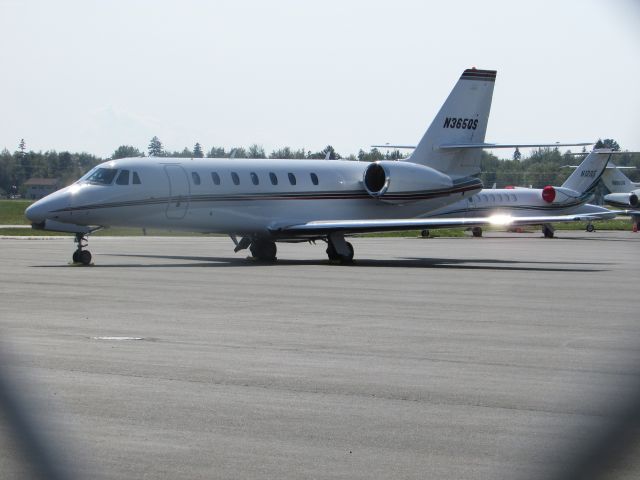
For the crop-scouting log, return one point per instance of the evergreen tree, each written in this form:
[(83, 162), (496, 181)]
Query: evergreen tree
[(155, 147), (126, 151), (516, 154), (216, 152), (22, 146), (608, 143), (197, 151), (256, 151)]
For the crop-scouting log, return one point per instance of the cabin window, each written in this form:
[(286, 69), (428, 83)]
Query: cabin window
[(102, 176), (235, 178), (215, 177), (292, 179), (136, 179), (273, 178), (254, 178), (314, 178), (196, 178), (123, 177)]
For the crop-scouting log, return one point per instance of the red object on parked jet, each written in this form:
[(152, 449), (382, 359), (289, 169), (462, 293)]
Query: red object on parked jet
[(548, 194)]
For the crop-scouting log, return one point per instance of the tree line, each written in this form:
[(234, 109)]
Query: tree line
[(545, 166)]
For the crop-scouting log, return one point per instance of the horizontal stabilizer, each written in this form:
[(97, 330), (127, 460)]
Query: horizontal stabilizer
[(451, 146), (511, 145)]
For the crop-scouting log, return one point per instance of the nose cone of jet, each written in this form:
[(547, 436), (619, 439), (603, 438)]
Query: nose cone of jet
[(37, 212), (47, 206)]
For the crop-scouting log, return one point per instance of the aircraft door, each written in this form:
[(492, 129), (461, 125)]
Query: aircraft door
[(179, 191)]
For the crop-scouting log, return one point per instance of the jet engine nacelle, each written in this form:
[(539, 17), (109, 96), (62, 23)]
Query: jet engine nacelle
[(558, 195), (629, 199), (402, 182)]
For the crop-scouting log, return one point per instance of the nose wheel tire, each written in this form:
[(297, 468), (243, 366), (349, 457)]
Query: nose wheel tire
[(590, 228), (80, 255)]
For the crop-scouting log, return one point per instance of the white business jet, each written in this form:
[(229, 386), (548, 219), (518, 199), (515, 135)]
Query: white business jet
[(570, 198), (624, 192), (268, 201)]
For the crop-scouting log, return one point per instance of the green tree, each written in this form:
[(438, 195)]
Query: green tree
[(197, 151), (516, 154), (608, 143), (126, 151), (155, 147), (22, 146), (333, 155), (256, 151), (238, 152), (216, 152), (372, 155)]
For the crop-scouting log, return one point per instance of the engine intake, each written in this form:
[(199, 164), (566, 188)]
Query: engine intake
[(403, 182), (549, 194), (633, 200)]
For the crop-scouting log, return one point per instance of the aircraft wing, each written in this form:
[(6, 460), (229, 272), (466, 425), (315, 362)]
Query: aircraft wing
[(324, 227)]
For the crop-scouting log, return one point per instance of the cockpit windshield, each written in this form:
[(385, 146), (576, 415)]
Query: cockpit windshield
[(102, 176)]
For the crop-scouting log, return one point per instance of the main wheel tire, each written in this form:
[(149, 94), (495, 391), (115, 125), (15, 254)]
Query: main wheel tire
[(76, 256), (591, 228), (424, 233), (332, 254), (548, 233), (476, 232), (347, 258), (264, 250), (85, 257)]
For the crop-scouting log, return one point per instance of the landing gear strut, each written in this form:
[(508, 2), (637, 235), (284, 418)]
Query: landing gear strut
[(476, 232), (547, 230), (339, 250), (264, 250), (80, 255)]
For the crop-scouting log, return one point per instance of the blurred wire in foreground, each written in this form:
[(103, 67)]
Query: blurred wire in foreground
[(37, 451)]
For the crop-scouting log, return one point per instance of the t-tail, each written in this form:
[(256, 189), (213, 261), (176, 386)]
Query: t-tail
[(585, 178), (462, 120), (616, 181)]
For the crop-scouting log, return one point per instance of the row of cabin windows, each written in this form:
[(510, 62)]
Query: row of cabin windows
[(483, 197), (235, 178)]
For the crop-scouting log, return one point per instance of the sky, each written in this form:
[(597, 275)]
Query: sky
[(92, 75)]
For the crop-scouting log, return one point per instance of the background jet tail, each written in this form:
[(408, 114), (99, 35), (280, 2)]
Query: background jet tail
[(616, 181), (585, 178), (461, 120)]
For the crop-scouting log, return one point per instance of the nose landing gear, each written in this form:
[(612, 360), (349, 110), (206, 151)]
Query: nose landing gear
[(80, 255)]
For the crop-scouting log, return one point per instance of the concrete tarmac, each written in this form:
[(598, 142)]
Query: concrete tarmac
[(453, 358)]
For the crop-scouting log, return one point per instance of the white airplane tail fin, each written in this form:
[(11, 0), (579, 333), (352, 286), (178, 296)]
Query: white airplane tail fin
[(616, 181), (461, 120), (585, 178)]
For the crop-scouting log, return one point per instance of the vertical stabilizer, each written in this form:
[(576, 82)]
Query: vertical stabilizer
[(616, 181), (461, 120), (585, 178)]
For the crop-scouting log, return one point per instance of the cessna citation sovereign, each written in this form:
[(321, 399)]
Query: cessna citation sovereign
[(268, 201), (570, 198), (624, 192)]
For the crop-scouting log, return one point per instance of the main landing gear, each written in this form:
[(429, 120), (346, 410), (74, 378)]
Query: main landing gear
[(80, 255), (476, 232), (590, 227), (547, 231), (339, 250), (263, 250)]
